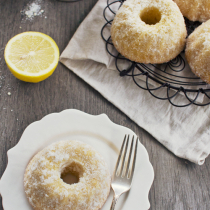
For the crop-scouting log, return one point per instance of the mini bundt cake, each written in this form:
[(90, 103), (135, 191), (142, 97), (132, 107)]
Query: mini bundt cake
[(149, 31), (195, 10), (46, 190), (197, 51)]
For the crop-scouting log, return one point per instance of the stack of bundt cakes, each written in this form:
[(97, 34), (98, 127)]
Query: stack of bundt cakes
[(154, 31)]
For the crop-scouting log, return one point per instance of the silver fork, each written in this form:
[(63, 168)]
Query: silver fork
[(122, 178)]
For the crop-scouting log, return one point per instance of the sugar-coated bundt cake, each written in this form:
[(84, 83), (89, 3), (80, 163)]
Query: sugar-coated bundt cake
[(46, 190), (197, 51), (195, 10), (149, 31)]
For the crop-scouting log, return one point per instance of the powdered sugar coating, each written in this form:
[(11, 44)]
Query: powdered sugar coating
[(195, 10), (46, 190), (145, 43), (197, 51)]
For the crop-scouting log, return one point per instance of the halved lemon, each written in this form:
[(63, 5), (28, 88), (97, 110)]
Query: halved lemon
[(31, 56)]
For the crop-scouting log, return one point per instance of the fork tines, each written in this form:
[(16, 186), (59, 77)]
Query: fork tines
[(124, 159)]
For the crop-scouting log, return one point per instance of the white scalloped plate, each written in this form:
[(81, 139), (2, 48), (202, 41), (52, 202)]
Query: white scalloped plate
[(99, 132)]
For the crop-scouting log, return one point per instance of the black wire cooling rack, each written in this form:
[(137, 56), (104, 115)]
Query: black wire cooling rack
[(166, 81)]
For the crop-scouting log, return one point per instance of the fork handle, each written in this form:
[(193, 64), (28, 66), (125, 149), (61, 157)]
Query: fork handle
[(114, 201)]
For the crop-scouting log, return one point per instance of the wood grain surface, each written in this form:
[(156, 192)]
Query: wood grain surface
[(178, 184)]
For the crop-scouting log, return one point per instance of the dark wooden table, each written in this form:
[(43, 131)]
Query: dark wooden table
[(178, 184)]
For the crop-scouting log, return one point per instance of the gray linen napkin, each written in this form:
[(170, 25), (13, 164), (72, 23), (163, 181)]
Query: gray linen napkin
[(184, 131)]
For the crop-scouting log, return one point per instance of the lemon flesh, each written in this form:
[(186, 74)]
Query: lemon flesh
[(31, 56)]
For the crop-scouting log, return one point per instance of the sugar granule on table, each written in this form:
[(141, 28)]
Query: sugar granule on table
[(32, 10)]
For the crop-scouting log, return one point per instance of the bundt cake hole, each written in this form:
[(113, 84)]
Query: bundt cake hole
[(151, 15), (71, 174)]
